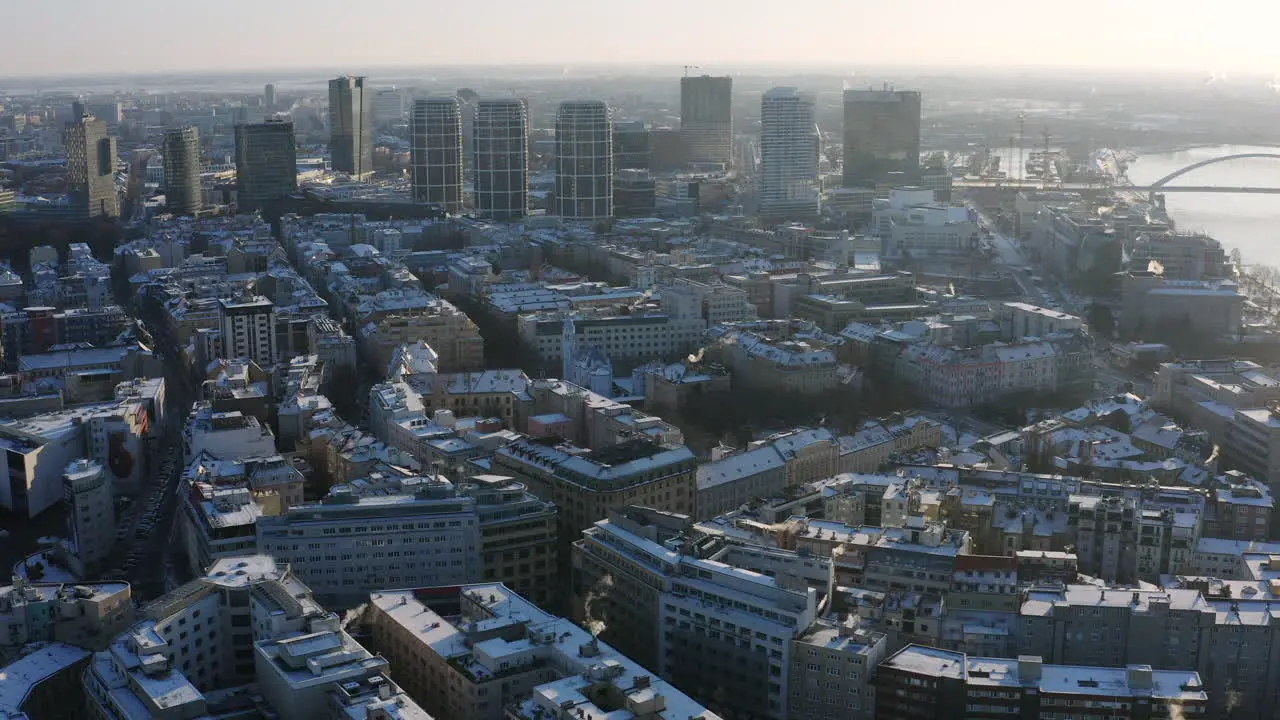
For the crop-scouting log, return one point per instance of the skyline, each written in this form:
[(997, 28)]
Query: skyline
[(1136, 35)]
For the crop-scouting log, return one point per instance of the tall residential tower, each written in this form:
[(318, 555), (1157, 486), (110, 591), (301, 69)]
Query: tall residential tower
[(500, 138), (266, 162), (584, 160), (91, 159), (351, 125), (881, 137), (706, 119), (436, 152), (788, 155), (181, 150)]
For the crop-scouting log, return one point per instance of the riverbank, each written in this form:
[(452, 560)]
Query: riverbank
[(1247, 222)]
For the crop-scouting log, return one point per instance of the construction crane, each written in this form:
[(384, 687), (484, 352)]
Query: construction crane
[(1022, 135), (687, 68)]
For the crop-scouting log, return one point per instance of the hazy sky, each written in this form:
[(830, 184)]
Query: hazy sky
[(91, 36)]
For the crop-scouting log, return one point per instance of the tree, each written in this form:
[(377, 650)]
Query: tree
[(1119, 421), (1101, 320), (343, 389)]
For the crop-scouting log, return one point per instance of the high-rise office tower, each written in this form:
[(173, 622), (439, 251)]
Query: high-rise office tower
[(584, 160), (91, 161), (269, 98), (500, 143), (630, 145), (110, 112), (881, 137), (788, 154), (181, 150), (266, 162), (706, 119), (388, 107), (351, 125), (436, 152)]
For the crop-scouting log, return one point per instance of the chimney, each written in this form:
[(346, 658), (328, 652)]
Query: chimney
[(1139, 677), (1029, 668)]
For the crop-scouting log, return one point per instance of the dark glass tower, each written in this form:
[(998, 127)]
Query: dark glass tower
[(500, 144), (881, 137), (706, 119), (351, 125), (181, 151), (584, 160), (91, 158), (266, 162), (436, 152)]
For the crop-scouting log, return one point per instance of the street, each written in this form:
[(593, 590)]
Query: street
[(147, 538)]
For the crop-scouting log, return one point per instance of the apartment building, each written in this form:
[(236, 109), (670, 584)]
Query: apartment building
[(352, 541), (832, 668), (625, 338), (225, 435), (589, 419), (245, 638), (248, 328), (482, 652), (85, 615), (780, 356), (216, 523), (505, 534), (876, 441), (393, 318), (671, 387), (1022, 320), (1216, 628), (707, 303), (1253, 443), (1180, 256), (519, 536), (1240, 508), (1154, 308), (44, 679), (724, 632), (39, 448), (91, 519), (925, 682), (586, 485), (1205, 393), (765, 469)]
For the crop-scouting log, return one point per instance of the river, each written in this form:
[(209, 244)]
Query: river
[(1248, 222)]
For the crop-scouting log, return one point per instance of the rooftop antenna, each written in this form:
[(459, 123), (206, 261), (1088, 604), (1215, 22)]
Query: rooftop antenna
[(687, 68)]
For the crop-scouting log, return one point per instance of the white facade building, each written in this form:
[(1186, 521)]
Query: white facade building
[(39, 448), (788, 154), (419, 534), (245, 635), (91, 517), (226, 435), (1022, 320), (910, 221)]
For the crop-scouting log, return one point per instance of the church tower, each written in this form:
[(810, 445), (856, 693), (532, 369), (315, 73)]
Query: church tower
[(569, 348)]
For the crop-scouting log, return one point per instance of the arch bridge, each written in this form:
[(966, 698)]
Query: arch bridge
[(1158, 185)]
